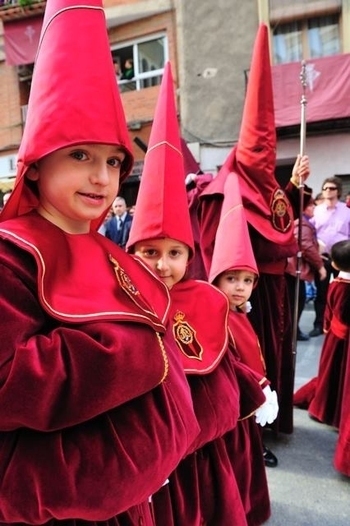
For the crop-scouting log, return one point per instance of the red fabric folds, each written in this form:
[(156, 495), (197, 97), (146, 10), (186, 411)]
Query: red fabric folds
[(21, 39), (327, 90)]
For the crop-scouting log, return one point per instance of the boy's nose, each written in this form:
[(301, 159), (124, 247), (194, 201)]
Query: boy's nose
[(162, 263), (101, 174)]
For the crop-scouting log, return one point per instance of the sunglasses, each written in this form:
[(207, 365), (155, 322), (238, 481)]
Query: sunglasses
[(330, 188)]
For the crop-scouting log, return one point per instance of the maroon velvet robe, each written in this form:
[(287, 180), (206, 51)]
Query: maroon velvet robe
[(244, 443), (203, 489), (95, 410), (342, 451), (326, 404)]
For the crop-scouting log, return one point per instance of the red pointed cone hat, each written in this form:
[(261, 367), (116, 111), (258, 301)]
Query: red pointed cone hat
[(74, 97), (161, 208), (253, 159), (266, 205), (190, 163), (232, 249)]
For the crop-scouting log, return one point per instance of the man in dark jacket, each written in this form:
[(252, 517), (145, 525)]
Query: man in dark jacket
[(118, 227)]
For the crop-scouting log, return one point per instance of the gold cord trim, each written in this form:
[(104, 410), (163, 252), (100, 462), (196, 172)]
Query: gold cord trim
[(165, 357)]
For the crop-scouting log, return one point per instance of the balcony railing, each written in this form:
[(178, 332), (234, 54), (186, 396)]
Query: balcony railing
[(15, 9)]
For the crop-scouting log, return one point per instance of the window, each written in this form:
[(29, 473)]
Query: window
[(309, 38), (140, 64)]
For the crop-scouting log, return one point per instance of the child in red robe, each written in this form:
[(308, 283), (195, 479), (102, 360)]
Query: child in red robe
[(203, 488), (234, 272), (323, 395), (95, 409), (340, 298)]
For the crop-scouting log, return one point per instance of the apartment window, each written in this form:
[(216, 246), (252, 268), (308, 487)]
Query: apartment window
[(309, 38), (147, 58)]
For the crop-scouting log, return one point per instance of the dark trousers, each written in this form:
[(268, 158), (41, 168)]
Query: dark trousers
[(321, 293), (291, 283)]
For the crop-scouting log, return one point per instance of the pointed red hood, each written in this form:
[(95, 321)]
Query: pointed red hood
[(74, 96), (161, 207), (190, 163), (253, 158), (266, 205), (232, 249)]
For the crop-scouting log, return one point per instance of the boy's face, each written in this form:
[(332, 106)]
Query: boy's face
[(77, 184), (166, 257), (237, 285)]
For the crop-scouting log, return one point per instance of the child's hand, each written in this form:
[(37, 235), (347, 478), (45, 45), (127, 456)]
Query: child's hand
[(267, 413)]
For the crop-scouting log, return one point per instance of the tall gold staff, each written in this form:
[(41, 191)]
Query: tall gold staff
[(303, 103)]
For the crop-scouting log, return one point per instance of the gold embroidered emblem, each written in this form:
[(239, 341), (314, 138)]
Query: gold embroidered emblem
[(185, 337), (127, 285), (281, 219)]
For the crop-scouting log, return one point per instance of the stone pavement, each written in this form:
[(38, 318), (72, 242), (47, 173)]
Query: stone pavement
[(305, 489)]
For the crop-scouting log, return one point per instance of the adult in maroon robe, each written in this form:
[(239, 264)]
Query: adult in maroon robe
[(270, 217)]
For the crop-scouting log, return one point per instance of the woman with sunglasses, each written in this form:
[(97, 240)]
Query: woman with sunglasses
[(332, 222)]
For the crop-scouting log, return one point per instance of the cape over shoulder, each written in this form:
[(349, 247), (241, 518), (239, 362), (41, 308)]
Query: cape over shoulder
[(199, 318), (70, 265)]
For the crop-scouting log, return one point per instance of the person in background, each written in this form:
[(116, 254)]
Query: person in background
[(347, 199), (117, 228), (311, 261), (117, 69), (131, 210), (102, 228), (332, 223), (6, 197), (88, 429), (128, 71), (319, 198)]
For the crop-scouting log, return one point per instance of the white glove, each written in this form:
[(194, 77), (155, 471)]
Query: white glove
[(267, 413), (190, 178)]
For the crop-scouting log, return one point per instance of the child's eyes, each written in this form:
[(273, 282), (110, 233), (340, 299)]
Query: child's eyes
[(115, 162), (79, 155)]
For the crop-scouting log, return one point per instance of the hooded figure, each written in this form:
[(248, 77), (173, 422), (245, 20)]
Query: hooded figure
[(95, 410), (270, 218)]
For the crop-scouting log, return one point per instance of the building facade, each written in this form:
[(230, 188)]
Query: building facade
[(209, 45)]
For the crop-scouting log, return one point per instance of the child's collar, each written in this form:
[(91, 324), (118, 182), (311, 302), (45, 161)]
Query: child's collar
[(344, 275)]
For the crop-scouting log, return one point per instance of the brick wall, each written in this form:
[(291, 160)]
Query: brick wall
[(10, 111)]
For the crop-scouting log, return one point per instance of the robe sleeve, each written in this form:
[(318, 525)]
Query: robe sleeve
[(53, 376)]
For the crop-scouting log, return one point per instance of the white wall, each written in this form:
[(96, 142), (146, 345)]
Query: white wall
[(329, 156)]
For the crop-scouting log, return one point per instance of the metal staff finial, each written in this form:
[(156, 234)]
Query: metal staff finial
[(303, 103)]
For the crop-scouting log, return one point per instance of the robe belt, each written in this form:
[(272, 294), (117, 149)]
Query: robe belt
[(339, 329)]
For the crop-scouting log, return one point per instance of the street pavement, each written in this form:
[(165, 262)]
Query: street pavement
[(305, 489)]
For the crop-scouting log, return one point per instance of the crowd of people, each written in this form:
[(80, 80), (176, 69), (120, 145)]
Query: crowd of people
[(142, 397)]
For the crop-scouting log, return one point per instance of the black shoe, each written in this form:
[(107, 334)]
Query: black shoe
[(302, 337), (269, 458), (316, 331)]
